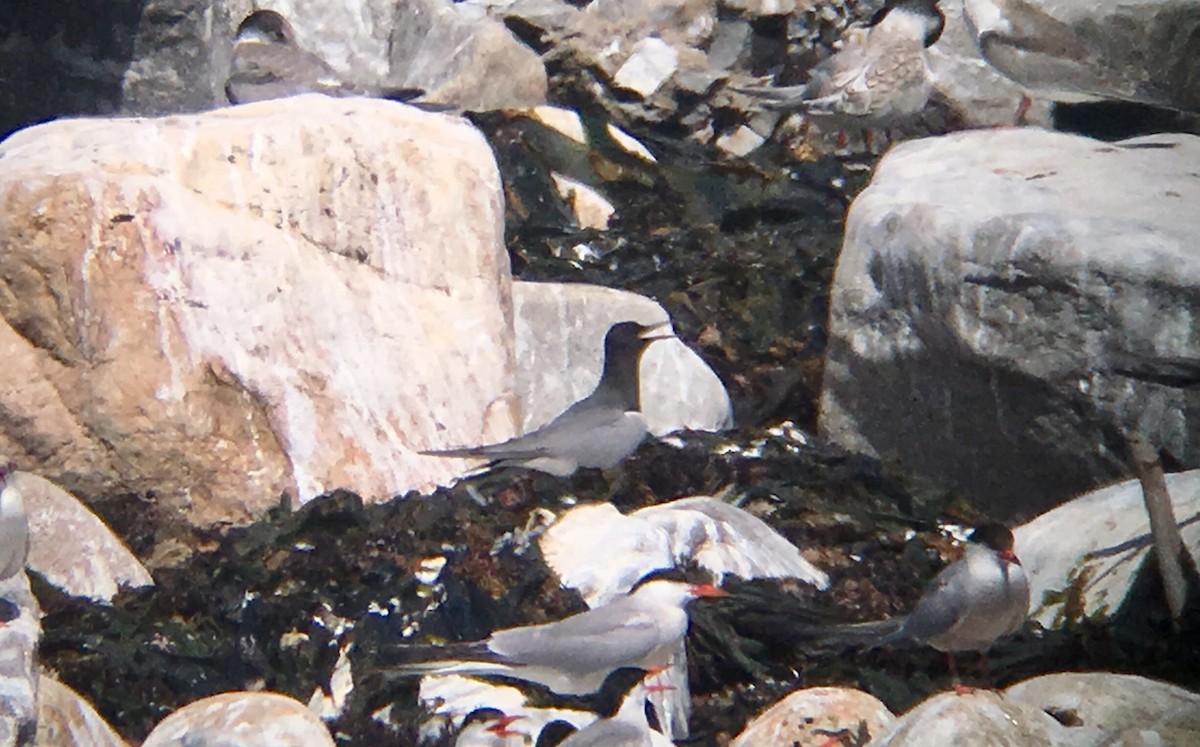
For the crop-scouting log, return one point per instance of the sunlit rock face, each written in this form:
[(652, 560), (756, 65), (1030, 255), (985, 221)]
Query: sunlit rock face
[(1008, 303), (229, 306)]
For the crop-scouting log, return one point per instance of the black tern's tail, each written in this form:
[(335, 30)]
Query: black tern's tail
[(866, 634), (417, 658)]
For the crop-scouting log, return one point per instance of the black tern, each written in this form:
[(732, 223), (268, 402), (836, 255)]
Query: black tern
[(879, 78), (269, 64), (599, 430), (575, 655), (14, 526)]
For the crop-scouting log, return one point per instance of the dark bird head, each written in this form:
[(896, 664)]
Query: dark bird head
[(554, 733), (623, 347), (925, 12), (267, 26), (607, 700), (494, 716), (998, 538)]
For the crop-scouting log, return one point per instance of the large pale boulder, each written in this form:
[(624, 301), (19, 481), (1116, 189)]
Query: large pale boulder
[(1081, 558), (1008, 302), (73, 548), (256, 300), (245, 719)]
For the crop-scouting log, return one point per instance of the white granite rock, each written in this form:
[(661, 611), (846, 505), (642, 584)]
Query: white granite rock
[(1007, 300), (255, 300), (981, 718), (812, 716), (601, 553), (1115, 709), (1095, 544), (72, 547), (241, 719)]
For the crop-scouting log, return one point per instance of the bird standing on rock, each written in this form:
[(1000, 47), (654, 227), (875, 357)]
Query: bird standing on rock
[(974, 601), (575, 655), (268, 64), (14, 526), (879, 78), (599, 430)]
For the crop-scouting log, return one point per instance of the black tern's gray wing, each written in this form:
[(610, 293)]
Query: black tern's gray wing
[(595, 437), (943, 605)]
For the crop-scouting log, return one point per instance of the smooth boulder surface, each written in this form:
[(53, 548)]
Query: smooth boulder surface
[(65, 719), (470, 61), (230, 306), (73, 548), (1094, 545), (981, 718), (1110, 708), (247, 719), (1007, 302), (811, 716)]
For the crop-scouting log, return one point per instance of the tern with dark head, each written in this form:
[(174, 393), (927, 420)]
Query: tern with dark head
[(268, 64), (879, 78), (575, 655), (972, 602), (598, 431)]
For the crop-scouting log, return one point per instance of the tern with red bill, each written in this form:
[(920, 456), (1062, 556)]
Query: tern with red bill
[(572, 656), (974, 601), (599, 430)]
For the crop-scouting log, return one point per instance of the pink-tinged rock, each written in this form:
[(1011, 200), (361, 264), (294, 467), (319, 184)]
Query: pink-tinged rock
[(65, 719), (243, 719), (286, 296), (815, 716), (72, 547)]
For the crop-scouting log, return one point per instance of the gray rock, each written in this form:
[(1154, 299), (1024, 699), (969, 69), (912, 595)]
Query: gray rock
[(65, 719), (808, 718), (472, 63), (652, 62), (18, 663), (1095, 544), (72, 547), (1116, 709), (1008, 301), (559, 335), (981, 719), (1073, 50), (241, 719)]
